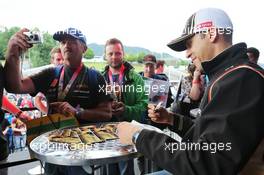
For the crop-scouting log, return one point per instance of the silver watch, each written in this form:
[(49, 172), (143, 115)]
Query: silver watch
[(135, 136)]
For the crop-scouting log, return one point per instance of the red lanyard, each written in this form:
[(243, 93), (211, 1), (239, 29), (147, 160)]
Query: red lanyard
[(121, 75), (63, 92), (116, 88)]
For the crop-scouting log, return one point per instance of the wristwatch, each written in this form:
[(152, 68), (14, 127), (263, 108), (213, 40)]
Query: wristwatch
[(135, 136), (78, 112), (18, 114)]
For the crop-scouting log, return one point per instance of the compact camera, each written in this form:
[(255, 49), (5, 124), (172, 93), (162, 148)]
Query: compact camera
[(33, 37)]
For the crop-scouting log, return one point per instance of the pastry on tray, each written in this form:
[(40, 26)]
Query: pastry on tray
[(85, 128), (56, 134), (89, 137), (86, 134), (66, 132), (111, 127), (64, 136), (68, 140), (105, 134), (74, 134)]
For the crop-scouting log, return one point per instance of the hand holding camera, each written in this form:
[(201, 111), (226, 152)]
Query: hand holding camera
[(33, 37), (21, 41)]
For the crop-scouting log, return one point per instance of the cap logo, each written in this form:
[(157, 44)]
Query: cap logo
[(204, 25), (72, 31), (75, 32)]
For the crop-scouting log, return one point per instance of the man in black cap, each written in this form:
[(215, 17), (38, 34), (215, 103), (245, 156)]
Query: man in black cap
[(71, 89), (149, 62), (230, 127), (72, 82)]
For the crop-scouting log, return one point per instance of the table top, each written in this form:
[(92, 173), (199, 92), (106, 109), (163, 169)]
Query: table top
[(109, 151)]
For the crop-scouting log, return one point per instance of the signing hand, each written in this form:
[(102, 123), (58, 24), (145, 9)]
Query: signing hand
[(125, 131), (160, 115), (63, 108)]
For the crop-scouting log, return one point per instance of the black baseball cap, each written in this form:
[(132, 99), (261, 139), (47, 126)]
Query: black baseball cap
[(149, 59)]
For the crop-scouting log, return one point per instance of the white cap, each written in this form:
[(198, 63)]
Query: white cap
[(201, 21)]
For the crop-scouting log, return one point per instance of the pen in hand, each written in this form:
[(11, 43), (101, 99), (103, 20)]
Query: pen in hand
[(158, 106)]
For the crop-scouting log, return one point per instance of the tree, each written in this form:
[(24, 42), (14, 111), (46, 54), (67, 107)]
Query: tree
[(135, 57), (4, 38), (39, 55), (130, 57), (140, 57), (89, 54)]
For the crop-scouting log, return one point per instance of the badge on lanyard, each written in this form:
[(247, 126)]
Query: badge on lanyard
[(116, 85)]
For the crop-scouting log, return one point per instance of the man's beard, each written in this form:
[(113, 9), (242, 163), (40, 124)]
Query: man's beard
[(116, 66)]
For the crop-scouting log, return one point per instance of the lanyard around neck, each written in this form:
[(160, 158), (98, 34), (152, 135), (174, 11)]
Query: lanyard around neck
[(120, 77), (63, 92)]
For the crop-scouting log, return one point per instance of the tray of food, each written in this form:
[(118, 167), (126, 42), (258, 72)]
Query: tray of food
[(85, 145), (84, 135)]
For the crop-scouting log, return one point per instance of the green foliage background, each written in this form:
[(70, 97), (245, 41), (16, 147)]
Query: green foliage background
[(39, 54)]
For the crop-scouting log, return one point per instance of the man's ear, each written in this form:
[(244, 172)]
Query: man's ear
[(124, 55), (213, 35), (84, 48)]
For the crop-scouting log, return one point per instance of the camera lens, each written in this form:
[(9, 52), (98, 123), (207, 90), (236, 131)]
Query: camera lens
[(36, 38)]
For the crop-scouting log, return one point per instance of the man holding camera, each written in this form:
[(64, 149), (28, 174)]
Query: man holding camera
[(73, 89), (65, 89)]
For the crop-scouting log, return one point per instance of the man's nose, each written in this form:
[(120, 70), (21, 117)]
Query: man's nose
[(67, 44), (188, 53), (147, 69)]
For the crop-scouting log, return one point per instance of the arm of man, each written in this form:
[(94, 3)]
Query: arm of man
[(228, 131), (15, 83), (195, 92), (176, 122), (10, 107), (39, 103), (102, 112)]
